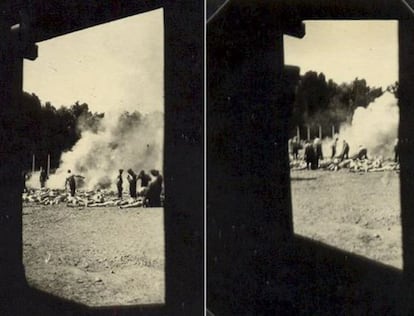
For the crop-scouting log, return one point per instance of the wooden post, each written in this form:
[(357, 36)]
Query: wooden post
[(333, 131), (320, 131), (48, 164), (308, 130), (33, 163), (298, 132)]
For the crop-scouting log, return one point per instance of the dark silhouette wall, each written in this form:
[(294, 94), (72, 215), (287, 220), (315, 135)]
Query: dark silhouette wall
[(249, 207)]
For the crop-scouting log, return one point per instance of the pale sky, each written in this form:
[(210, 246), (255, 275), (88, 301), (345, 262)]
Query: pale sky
[(344, 50), (118, 65)]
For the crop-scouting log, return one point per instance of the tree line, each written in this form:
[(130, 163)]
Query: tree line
[(326, 103), (50, 130), (46, 129)]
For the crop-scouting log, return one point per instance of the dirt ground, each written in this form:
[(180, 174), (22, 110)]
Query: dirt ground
[(95, 256), (355, 212)]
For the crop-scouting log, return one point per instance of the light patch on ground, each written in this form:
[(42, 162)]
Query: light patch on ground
[(355, 212), (95, 256)]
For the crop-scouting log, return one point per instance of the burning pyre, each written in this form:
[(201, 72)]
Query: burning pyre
[(129, 140), (374, 128)]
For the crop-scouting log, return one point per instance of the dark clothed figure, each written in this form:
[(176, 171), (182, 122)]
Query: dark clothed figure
[(319, 153), (317, 147), (43, 178), (119, 182), (153, 195), (132, 179), (309, 155), (345, 151), (396, 151), (145, 179), (295, 148), (316, 154), (70, 180), (333, 146), (362, 153)]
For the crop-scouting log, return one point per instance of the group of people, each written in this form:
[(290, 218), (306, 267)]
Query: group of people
[(43, 177), (313, 151), (344, 154), (151, 185)]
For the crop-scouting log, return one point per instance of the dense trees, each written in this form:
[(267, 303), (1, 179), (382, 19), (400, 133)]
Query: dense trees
[(326, 103), (44, 129)]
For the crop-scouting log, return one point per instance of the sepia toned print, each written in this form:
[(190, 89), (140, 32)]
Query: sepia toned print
[(98, 130), (309, 163), (344, 154), (92, 203)]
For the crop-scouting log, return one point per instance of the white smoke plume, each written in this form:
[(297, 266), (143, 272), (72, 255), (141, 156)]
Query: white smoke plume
[(374, 127), (33, 182), (128, 141)]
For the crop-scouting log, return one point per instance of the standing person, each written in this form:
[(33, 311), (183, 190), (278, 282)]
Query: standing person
[(396, 151), (318, 150), (42, 177), (309, 155), (153, 195), (345, 151), (145, 179), (295, 148), (132, 179), (333, 147), (119, 182), (315, 161), (70, 180)]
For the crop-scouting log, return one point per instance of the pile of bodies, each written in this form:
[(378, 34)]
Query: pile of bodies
[(150, 194), (100, 198), (359, 162), (353, 165)]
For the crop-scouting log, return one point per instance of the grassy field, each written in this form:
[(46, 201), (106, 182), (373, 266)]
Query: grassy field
[(356, 212), (95, 256)]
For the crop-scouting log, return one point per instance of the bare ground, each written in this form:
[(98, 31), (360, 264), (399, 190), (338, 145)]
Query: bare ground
[(95, 256), (356, 212)]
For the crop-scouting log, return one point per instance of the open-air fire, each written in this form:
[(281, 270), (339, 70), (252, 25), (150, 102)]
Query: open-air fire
[(370, 138)]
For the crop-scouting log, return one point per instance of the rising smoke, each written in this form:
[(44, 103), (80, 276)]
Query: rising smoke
[(375, 127), (131, 141)]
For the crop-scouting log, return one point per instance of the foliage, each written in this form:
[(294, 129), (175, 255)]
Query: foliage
[(326, 103), (48, 130)]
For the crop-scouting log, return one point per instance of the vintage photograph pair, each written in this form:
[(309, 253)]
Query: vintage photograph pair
[(223, 157)]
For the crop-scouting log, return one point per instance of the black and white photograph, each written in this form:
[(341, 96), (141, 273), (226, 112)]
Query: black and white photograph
[(309, 157), (344, 155), (101, 133), (206, 157), (93, 196)]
